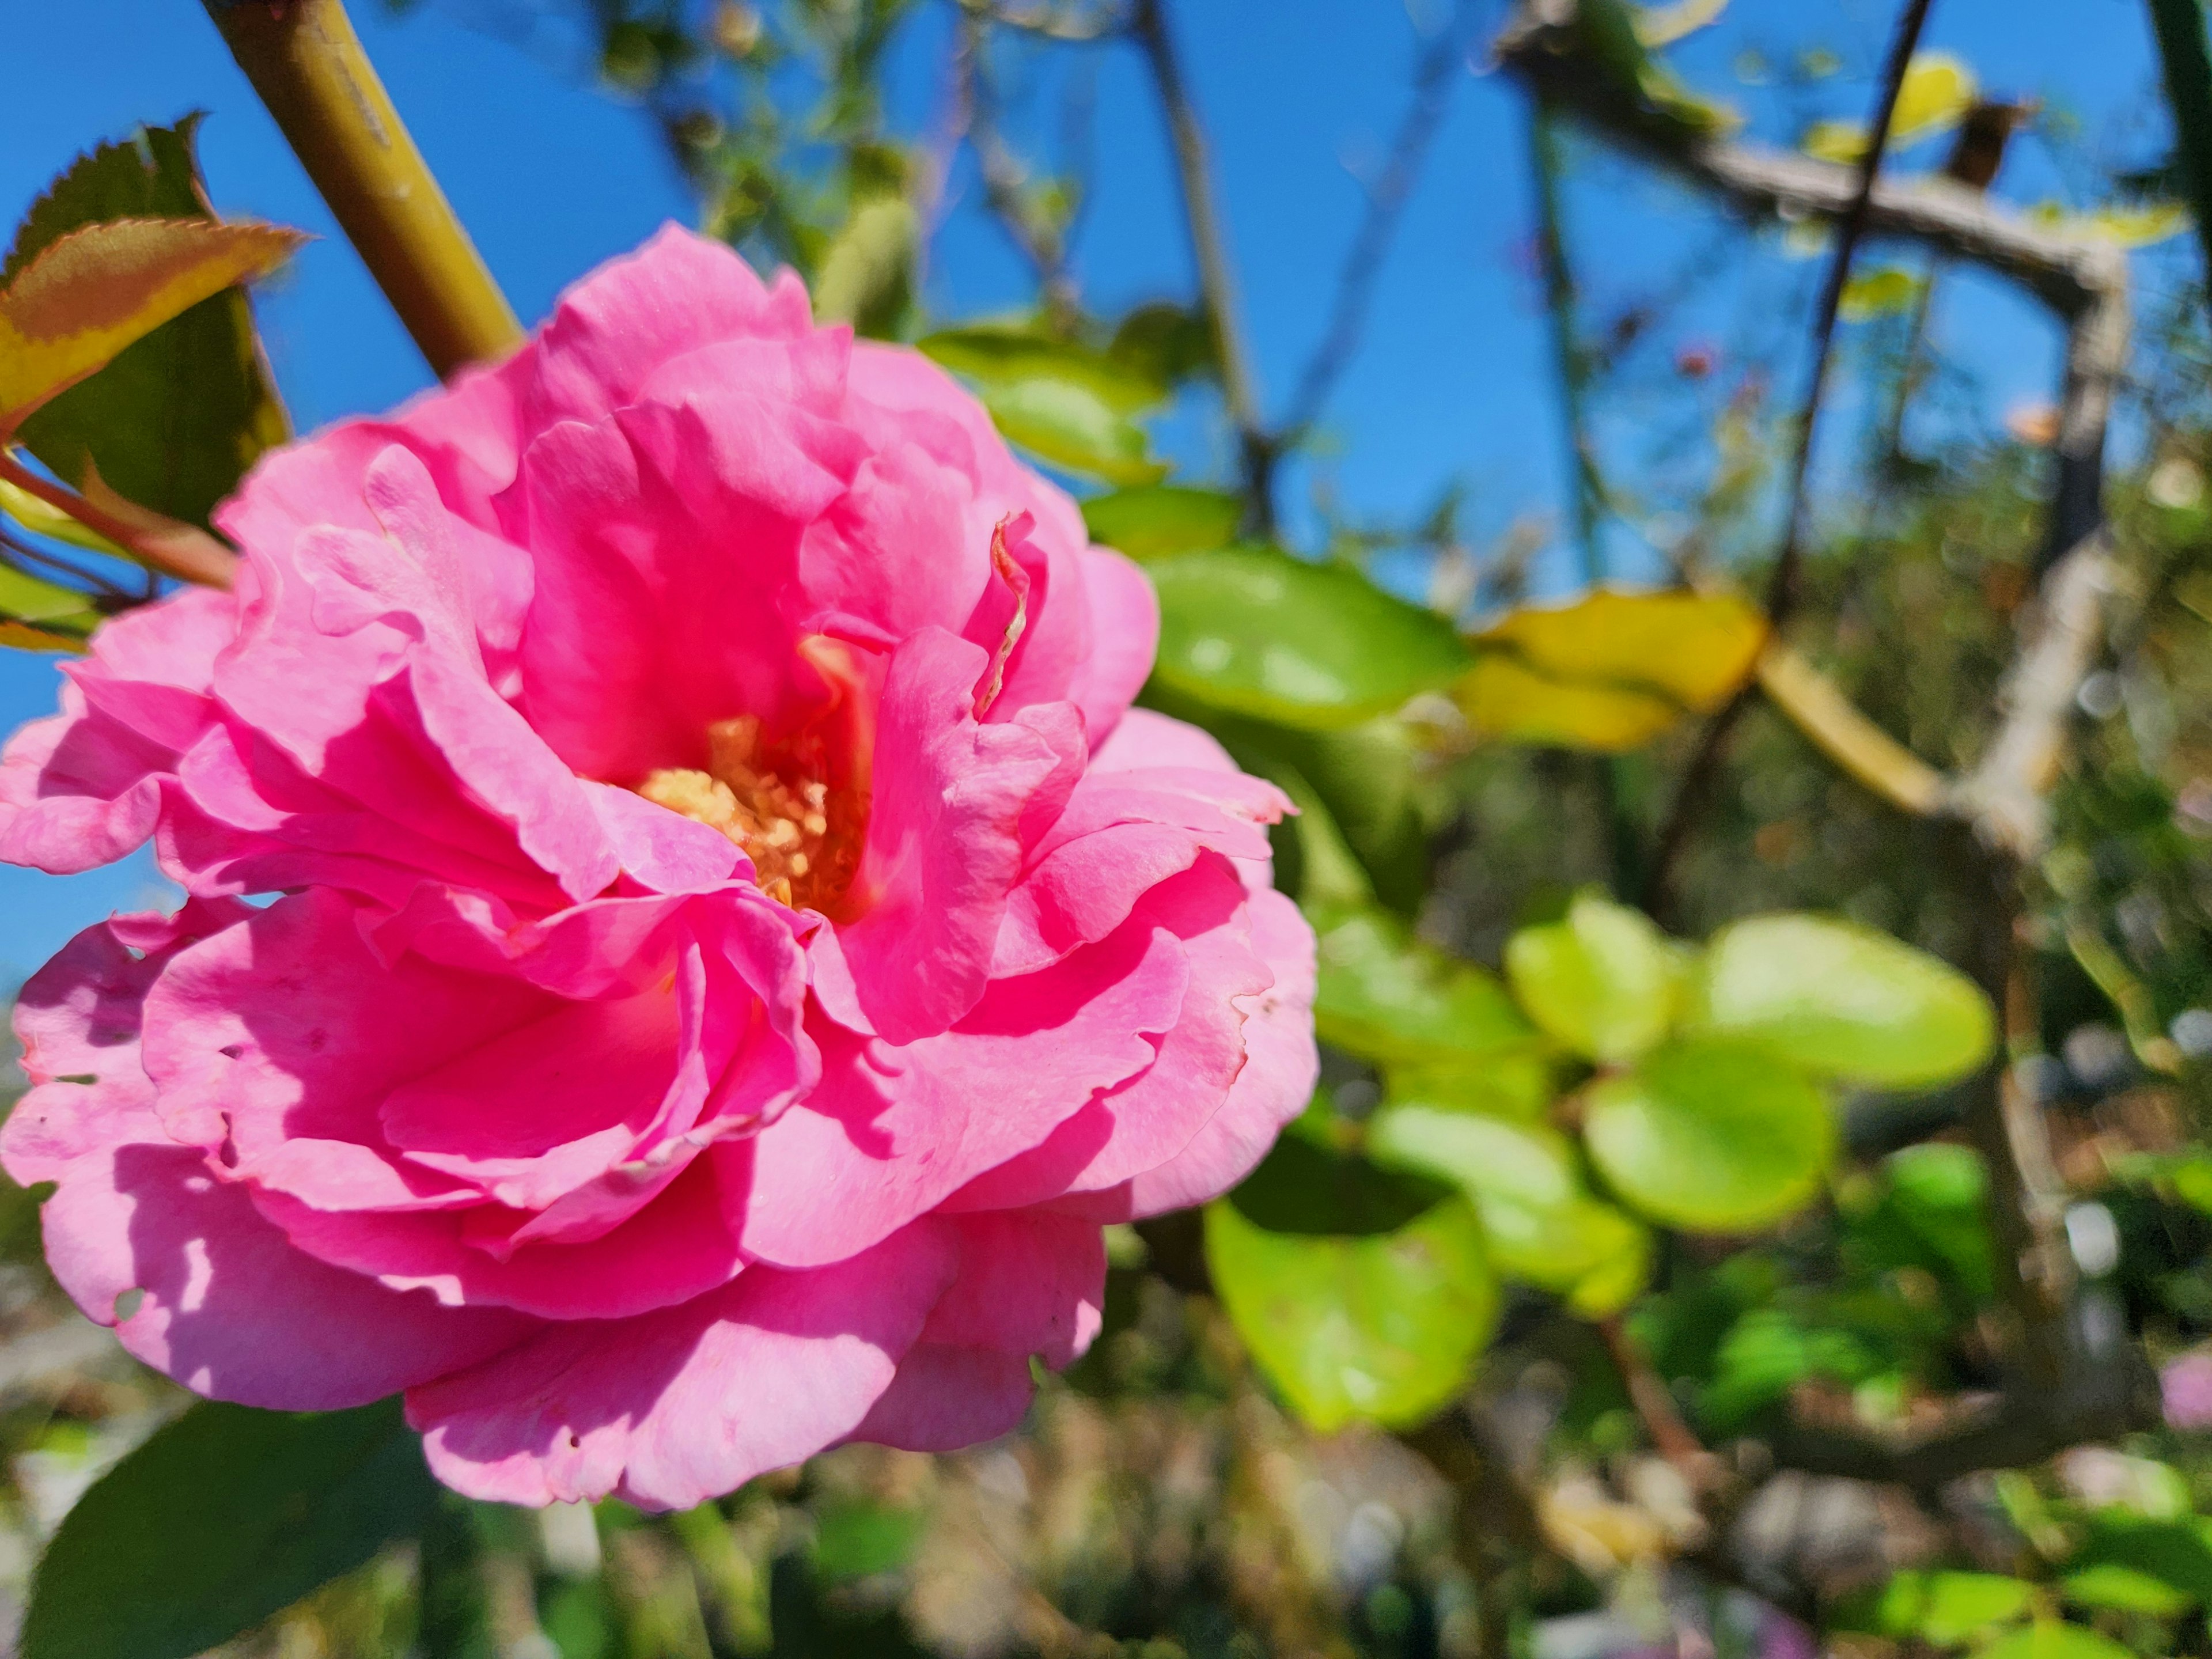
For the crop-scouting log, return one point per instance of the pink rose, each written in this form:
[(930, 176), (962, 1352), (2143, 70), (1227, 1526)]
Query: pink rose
[(737, 944)]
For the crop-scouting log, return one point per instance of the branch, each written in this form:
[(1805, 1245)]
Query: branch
[(1768, 184), (1782, 587), (168, 545), (1854, 743), (1210, 249), (306, 62), (1433, 80), (1068, 24), (1041, 242)]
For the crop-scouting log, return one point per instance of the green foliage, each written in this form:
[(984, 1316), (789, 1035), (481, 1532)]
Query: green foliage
[(1063, 402), (1387, 997), (1602, 982), (1841, 1001), (1712, 1136), (221, 1518), (175, 419), (1152, 521), (1250, 630), (1364, 1295)]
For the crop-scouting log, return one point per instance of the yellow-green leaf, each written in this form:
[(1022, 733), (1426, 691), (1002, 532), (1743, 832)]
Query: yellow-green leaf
[(96, 290), (1883, 291), (1155, 520), (865, 277), (1505, 701), (1611, 670), (1663, 25), (1542, 1226), (2140, 225), (40, 520), (1709, 1136), (1602, 981), (1365, 1295), (1841, 1000), (1937, 92), (1251, 630), (1386, 996)]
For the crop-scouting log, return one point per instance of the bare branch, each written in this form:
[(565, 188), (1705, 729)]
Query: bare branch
[(1210, 249), (1848, 737), (161, 544), (1433, 80), (1768, 184), (1043, 241), (1782, 587), (1074, 25)]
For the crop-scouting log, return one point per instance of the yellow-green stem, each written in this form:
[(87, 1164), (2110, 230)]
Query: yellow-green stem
[(305, 61)]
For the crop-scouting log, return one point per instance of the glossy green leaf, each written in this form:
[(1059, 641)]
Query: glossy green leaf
[(1841, 1000), (1388, 997), (1002, 356), (1364, 1295), (2048, 1640), (174, 420), (1602, 982), (1950, 1608), (1251, 630), (1711, 1136), (1541, 1224), (225, 1516), (56, 609), (1155, 520), (1165, 342), (2110, 1587), (1067, 424)]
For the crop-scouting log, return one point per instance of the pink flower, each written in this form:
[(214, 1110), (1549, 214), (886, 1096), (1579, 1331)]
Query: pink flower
[(737, 944)]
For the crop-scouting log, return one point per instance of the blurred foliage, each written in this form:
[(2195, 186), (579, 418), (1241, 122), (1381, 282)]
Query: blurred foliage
[(1589, 1185)]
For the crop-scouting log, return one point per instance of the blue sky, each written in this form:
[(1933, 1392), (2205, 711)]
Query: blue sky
[(553, 177)]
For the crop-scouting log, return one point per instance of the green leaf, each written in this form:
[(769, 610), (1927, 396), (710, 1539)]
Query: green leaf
[(1251, 630), (1610, 670), (2177, 1553), (2111, 1586), (1950, 1608), (41, 519), (173, 421), (1165, 342), (55, 609), (999, 356), (1388, 997), (866, 275), (1155, 520), (1883, 291), (1841, 1000), (1517, 1087), (1711, 1136), (2050, 1640), (223, 1517), (1937, 91), (1602, 982), (1061, 400), (1541, 1224), (1364, 1295)]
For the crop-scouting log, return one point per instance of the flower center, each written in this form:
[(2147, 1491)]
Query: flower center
[(804, 838)]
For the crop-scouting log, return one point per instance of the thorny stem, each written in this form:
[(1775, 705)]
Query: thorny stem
[(1209, 244), (306, 63), (1782, 589), (174, 548)]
